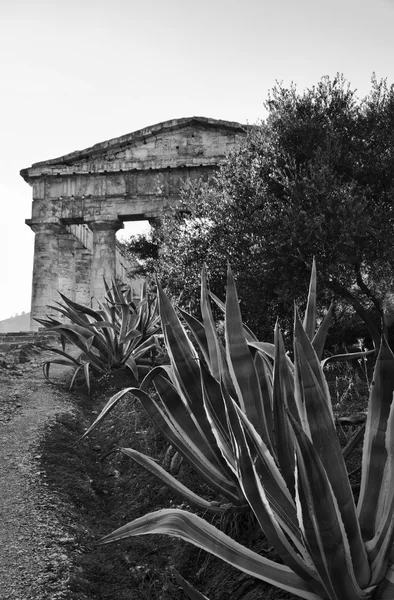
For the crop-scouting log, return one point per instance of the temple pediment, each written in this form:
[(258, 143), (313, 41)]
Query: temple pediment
[(187, 142), (81, 199)]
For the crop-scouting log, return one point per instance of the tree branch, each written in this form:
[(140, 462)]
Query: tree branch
[(365, 289), (344, 293)]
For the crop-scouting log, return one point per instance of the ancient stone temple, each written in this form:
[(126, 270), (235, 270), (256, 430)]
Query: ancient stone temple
[(82, 199)]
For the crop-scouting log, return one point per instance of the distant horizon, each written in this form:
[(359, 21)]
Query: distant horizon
[(15, 324), (22, 314)]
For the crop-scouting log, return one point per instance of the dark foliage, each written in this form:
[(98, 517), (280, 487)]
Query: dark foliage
[(316, 179)]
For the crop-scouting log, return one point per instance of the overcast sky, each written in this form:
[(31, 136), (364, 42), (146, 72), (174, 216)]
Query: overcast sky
[(77, 72)]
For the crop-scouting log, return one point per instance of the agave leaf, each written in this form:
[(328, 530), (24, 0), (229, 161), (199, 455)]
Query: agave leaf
[(283, 397), (89, 342), (48, 322), (108, 291), (185, 373), (241, 364), (103, 325), (322, 433), (380, 547), (254, 488), (114, 293), (216, 414), (81, 308), (60, 361), (191, 592), (75, 376), (174, 420), (264, 347), (304, 344), (275, 487), (145, 345), (108, 336), (149, 319), (319, 339), (249, 335), (158, 471), (184, 358), (107, 409), (144, 290), (310, 313), (374, 449), (138, 348), (132, 334), (354, 441), (346, 357), (192, 528), (47, 364), (105, 311), (75, 317), (267, 351), (180, 412), (86, 370), (217, 301), (132, 365), (198, 331), (82, 332), (92, 355), (215, 357), (125, 316), (265, 374), (385, 589), (322, 524), (67, 355), (79, 339)]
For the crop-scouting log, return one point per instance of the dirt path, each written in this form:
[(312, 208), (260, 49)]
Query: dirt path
[(34, 563)]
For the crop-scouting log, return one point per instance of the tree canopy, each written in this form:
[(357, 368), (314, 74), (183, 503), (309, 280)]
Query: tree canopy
[(316, 179)]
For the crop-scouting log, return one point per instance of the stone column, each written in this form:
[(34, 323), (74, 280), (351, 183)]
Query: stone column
[(67, 252), (82, 276), (104, 255), (45, 270)]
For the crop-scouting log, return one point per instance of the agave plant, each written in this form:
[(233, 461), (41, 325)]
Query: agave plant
[(283, 450), (188, 382), (120, 333), (183, 386)]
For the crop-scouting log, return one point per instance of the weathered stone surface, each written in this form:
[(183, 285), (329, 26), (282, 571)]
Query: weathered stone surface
[(134, 177), (104, 255), (45, 269), (83, 264), (15, 341)]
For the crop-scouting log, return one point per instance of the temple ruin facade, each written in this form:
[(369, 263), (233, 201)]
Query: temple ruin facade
[(82, 199)]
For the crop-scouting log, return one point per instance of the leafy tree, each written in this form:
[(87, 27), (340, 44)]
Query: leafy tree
[(315, 179)]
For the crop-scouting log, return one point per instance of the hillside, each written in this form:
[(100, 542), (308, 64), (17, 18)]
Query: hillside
[(17, 323)]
